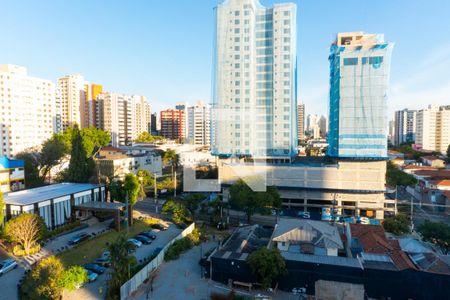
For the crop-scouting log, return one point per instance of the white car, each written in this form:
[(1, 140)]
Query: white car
[(135, 242), (7, 265), (92, 276)]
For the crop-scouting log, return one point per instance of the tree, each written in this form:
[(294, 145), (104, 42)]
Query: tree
[(31, 168), (436, 232), (397, 225), (249, 201), (267, 265), (177, 210), (93, 139), (119, 189), (448, 154), (171, 158), (121, 264), (45, 280), (53, 150), (146, 137), (395, 177), (26, 229), (131, 187), (81, 166), (73, 278)]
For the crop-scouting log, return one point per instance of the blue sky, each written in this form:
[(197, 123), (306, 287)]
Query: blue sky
[(163, 49)]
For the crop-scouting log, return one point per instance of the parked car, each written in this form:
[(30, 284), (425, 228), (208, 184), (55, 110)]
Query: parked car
[(159, 227), (94, 268), (134, 242), (92, 276), (106, 254), (148, 234), (143, 239), (79, 238), (156, 251), (7, 265), (103, 262)]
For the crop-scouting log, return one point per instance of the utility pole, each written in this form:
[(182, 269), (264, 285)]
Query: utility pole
[(395, 203), (175, 184), (156, 194), (412, 211), (126, 212)]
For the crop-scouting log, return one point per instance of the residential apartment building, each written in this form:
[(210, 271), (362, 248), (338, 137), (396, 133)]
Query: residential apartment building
[(301, 122), (142, 116), (359, 75), (154, 124), (27, 111), (183, 105), (173, 124), (311, 121), (433, 128), (405, 126), (323, 126), (124, 116), (254, 80), (199, 124)]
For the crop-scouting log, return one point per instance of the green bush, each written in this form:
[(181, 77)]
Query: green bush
[(177, 248), (62, 229)]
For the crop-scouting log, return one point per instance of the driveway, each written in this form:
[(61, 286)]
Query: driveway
[(9, 281)]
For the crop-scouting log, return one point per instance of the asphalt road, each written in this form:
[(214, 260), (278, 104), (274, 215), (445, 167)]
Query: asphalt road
[(9, 281)]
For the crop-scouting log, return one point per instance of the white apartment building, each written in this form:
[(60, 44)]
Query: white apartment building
[(76, 100), (433, 128), (27, 111), (142, 116), (73, 95), (254, 80), (124, 116), (199, 124), (405, 126)]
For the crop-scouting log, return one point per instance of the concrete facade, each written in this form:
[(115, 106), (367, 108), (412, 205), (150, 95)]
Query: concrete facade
[(357, 187)]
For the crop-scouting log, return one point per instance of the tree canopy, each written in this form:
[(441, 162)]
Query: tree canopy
[(2, 206), (397, 225), (436, 232), (45, 280), (395, 176), (92, 138), (146, 137), (26, 230), (81, 166), (130, 187), (121, 263), (73, 278), (244, 198), (177, 209), (267, 265)]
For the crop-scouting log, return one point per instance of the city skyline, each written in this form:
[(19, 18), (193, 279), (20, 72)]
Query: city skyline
[(155, 64)]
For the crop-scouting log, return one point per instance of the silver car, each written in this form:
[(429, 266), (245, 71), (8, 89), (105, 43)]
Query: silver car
[(7, 265)]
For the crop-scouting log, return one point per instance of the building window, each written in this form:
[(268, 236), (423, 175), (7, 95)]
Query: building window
[(350, 61)]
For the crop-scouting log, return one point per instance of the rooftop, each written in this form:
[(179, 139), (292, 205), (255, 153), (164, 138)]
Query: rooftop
[(319, 233), (431, 157), (36, 195), (373, 241)]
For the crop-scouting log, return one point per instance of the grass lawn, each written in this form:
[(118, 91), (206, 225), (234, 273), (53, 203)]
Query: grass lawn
[(90, 250)]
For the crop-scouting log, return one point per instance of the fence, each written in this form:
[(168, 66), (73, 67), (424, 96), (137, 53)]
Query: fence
[(133, 284)]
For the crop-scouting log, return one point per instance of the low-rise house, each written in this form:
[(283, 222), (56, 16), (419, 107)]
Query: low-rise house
[(433, 161), (307, 237), (117, 162), (369, 243), (12, 174)]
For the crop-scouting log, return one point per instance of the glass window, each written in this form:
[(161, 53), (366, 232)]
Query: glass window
[(350, 61)]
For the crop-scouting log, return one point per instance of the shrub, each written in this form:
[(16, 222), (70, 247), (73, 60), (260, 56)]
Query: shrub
[(177, 248), (19, 251), (195, 237)]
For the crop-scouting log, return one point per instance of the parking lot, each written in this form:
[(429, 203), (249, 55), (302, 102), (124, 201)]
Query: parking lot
[(97, 289)]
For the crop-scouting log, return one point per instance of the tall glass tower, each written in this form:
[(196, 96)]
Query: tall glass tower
[(359, 77), (254, 80)]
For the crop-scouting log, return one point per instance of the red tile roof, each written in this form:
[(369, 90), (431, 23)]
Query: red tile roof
[(414, 167), (373, 240), (434, 174)]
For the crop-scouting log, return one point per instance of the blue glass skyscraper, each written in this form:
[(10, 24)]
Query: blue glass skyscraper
[(359, 77)]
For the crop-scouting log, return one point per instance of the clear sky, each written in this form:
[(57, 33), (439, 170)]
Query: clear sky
[(163, 49)]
